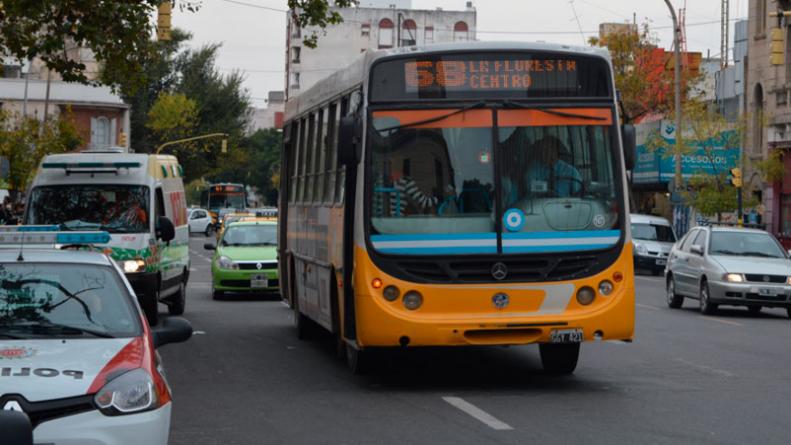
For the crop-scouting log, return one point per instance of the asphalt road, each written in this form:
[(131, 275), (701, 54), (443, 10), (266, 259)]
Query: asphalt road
[(244, 378)]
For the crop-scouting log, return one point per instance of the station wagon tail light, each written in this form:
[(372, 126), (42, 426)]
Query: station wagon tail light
[(734, 277), (131, 392)]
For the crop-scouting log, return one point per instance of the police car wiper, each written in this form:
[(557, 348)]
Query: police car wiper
[(510, 104), (433, 119), (47, 326)]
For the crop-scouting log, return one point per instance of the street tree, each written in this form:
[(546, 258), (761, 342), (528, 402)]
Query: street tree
[(24, 141), (118, 32), (172, 116)]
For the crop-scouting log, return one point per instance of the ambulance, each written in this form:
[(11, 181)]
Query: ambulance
[(139, 199)]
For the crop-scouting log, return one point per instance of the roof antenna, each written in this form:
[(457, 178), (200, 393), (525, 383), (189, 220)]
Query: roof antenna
[(21, 247)]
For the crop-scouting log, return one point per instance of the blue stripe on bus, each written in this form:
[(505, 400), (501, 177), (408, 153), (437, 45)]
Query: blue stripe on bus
[(554, 249), (439, 250), (558, 235), (435, 237)]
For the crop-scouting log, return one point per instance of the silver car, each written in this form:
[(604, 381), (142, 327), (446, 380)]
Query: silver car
[(729, 266)]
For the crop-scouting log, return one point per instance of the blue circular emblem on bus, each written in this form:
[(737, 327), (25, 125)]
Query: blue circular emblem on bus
[(500, 300), (513, 220)]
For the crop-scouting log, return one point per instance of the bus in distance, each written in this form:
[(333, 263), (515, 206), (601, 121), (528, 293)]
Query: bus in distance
[(221, 198), (456, 195)]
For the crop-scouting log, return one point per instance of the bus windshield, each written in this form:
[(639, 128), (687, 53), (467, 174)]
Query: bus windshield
[(434, 184), (224, 200)]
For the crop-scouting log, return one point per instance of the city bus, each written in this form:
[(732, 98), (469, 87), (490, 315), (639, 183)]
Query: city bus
[(223, 198), (461, 194)]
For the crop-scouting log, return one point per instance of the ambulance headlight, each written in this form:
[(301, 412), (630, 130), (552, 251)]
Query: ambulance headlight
[(128, 393), (133, 266)]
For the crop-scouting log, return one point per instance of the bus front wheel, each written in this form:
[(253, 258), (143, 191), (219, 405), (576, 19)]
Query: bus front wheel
[(559, 358), (359, 360)]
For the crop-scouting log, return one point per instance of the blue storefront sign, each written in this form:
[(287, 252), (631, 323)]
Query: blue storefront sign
[(708, 157)]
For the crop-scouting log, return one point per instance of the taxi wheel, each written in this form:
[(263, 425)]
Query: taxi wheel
[(559, 358), (706, 306), (674, 300), (178, 301)]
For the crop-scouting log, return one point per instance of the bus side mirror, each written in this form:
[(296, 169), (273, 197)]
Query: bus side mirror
[(629, 137), (348, 143), (165, 229)]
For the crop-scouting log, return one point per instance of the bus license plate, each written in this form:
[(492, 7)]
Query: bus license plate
[(566, 336), (259, 282)]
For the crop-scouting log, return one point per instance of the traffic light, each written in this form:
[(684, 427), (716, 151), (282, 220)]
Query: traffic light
[(122, 139), (224, 146), (163, 20), (736, 177)]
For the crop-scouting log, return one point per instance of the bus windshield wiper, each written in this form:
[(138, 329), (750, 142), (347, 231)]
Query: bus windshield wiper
[(511, 104), (433, 119)]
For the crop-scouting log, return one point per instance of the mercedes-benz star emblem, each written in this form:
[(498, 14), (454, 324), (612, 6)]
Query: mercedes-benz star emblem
[(258, 266), (499, 271), (500, 300), (13, 405)]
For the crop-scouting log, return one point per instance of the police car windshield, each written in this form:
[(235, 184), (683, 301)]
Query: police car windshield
[(114, 208), (250, 235), (64, 301)]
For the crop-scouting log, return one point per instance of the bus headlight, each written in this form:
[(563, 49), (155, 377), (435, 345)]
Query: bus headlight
[(132, 266), (585, 295), (391, 293), (413, 300), (224, 262), (605, 288)]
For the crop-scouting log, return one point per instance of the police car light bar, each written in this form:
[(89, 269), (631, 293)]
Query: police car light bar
[(22, 235)]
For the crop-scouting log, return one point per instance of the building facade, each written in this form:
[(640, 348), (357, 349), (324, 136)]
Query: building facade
[(768, 109), (386, 24), (269, 117)]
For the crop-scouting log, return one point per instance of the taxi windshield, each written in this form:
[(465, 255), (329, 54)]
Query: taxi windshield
[(114, 208), (250, 235), (64, 300)]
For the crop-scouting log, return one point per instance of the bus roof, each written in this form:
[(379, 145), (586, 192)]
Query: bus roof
[(352, 76)]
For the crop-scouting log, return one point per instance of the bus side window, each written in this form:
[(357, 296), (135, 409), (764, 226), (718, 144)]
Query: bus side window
[(292, 161), (301, 161), (320, 157), (340, 182), (332, 153), (310, 150)]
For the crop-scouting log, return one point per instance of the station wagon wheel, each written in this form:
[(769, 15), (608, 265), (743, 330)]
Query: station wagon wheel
[(706, 306), (674, 300)]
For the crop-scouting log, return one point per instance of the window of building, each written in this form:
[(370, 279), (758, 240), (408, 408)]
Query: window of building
[(460, 32), (758, 119), (294, 81), (760, 23), (100, 132), (386, 29), (296, 32), (781, 97), (12, 71), (365, 30), (408, 33), (295, 53), (429, 36)]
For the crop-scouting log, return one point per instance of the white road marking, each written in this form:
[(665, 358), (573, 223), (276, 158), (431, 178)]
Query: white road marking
[(198, 332), (732, 323), (192, 269), (477, 413), (647, 306), (705, 368)]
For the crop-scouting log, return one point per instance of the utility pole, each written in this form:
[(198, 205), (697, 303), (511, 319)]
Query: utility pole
[(724, 33), (677, 83)]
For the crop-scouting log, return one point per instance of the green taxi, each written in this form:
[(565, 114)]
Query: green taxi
[(245, 259)]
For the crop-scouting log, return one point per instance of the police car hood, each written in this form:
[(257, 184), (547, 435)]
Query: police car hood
[(54, 369)]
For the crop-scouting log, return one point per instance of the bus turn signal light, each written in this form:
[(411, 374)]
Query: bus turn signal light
[(376, 283), (617, 277)]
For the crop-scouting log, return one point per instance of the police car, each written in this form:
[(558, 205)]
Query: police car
[(76, 354)]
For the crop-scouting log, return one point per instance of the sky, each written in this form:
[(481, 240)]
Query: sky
[(253, 36)]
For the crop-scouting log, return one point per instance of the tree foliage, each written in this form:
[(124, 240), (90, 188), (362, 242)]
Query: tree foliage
[(25, 141), (118, 32)]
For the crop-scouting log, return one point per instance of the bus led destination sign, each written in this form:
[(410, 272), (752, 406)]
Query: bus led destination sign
[(486, 74)]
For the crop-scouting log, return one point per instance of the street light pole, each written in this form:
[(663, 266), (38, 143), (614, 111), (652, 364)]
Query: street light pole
[(205, 136), (677, 82)]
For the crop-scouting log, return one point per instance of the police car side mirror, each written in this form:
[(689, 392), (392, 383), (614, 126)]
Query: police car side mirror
[(171, 330), (629, 138), (209, 246), (16, 428), (166, 231), (348, 151)]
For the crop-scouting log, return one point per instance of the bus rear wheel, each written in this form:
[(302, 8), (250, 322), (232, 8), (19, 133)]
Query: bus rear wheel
[(560, 358)]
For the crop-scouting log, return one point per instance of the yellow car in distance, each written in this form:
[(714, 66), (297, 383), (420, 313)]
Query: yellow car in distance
[(230, 218)]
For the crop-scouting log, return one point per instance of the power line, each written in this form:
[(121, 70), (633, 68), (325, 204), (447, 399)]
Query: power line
[(251, 5)]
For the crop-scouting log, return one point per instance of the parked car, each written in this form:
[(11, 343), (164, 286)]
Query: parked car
[(729, 266), (245, 259), (200, 221), (653, 237)]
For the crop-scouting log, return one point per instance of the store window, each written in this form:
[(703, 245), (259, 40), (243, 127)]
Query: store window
[(386, 29)]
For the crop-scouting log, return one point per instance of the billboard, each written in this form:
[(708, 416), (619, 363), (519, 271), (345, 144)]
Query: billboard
[(657, 167)]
